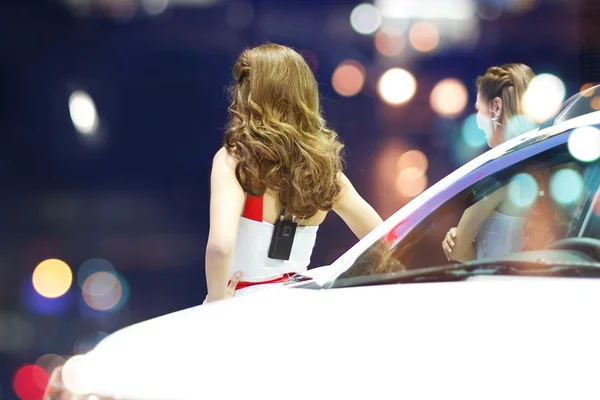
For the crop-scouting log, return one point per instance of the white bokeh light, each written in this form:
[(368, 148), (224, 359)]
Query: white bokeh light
[(543, 97), (83, 112), (584, 143), (427, 9), (397, 86), (365, 18)]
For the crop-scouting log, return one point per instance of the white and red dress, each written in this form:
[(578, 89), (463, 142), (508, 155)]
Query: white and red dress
[(259, 272)]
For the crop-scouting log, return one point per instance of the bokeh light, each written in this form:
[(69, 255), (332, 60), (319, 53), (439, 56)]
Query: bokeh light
[(471, 134), (397, 86), (394, 27), (584, 143), (595, 103), (424, 36), (411, 168), (517, 125), (523, 190), (454, 10), (566, 186), (449, 97), (103, 291), (52, 278), (49, 362), (365, 18), (83, 113), (410, 187), (389, 44), (544, 97), (348, 78), (585, 90), (30, 381), (92, 266), (412, 165)]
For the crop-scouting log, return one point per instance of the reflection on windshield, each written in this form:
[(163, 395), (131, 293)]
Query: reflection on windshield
[(546, 194), (378, 259), (579, 104)]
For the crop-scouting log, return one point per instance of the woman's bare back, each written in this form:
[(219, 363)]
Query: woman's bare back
[(272, 210)]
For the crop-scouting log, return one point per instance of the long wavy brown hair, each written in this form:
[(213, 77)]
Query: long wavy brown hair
[(277, 133)]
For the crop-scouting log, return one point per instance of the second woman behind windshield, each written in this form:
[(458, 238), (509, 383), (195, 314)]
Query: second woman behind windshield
[(494, 226)]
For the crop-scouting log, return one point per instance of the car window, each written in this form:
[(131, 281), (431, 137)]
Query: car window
[(544, 199), (577, 105), (581, 104)]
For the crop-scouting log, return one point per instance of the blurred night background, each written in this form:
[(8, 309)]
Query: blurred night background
[(111, 112)]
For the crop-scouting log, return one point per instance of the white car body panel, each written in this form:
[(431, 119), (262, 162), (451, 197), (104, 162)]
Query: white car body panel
[(504, 338)]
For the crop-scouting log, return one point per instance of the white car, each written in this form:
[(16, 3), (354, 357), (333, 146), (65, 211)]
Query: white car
[(519, 327)]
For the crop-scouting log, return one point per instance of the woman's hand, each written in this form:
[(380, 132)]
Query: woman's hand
[(230, 291), (449, 242)]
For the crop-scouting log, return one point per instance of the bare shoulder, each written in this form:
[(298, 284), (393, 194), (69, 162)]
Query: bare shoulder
[(345, 193), (345, 183), (223, 159)]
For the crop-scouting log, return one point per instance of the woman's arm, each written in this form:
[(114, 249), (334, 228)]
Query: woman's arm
[(458, 244), (226, 204), (360, 217)]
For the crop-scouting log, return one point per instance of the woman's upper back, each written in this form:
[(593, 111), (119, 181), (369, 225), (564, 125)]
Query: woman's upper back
[(272, 208), (255, 234)]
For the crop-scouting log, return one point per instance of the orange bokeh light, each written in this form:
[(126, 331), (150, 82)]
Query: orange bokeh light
[(52, 278), (348, 78), (585, 87), (449, 97), (388, 44), (412, 165), (410, 187), (424, 36)]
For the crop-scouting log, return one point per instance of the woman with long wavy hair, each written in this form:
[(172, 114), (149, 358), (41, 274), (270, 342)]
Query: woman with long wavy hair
[(276, 177)]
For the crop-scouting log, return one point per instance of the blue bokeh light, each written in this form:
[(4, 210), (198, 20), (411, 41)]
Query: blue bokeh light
[(523, 190), (566, 186), (471, 134)]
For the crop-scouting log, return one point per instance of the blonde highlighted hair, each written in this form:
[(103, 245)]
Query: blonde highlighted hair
[(508, 82), (277, 133)]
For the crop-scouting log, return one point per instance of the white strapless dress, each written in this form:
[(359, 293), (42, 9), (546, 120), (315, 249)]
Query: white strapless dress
[(501, 235), (251, 254)]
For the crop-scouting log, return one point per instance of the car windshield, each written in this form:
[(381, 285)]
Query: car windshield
[(540, 193), (582, 103)]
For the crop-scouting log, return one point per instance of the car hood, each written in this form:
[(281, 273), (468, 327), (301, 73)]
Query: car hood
[(487, 338)]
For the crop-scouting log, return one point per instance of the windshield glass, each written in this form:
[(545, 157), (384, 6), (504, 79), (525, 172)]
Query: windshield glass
[(511, 207), (582, 103)]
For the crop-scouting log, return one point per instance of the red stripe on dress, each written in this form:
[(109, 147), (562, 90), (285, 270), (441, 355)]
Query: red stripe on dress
[(253, 209), (284, 278)]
